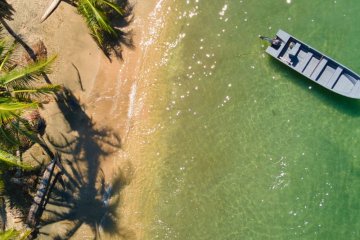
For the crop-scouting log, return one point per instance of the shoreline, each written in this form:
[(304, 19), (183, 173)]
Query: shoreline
[(112, 95)]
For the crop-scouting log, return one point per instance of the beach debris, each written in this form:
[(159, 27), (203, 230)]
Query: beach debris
[(50, 9), (106, 202), (40, 53), (107, 195)]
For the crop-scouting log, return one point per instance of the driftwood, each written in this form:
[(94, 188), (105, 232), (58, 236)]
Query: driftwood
[(43, 193)]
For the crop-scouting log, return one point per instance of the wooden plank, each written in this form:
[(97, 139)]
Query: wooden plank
[(325, 76), (303, 63), (319, 68), (334, 77), (311, 66)]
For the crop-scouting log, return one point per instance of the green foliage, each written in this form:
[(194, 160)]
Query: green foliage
[(19, 90), (14, 235), (7, 160), (96, 14), (23, 76)]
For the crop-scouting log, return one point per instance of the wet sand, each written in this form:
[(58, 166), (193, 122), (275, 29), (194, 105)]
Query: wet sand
[(93, 129)]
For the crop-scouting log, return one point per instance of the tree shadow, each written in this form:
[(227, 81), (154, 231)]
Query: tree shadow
[(342, 104), (86, 198), (25, 184), (79, 203), (113, 45), (6, 10)]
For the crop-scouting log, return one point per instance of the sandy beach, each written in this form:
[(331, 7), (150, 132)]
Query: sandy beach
[(98, 136)]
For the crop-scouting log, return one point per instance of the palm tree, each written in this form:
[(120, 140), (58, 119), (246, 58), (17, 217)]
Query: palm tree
[(19, 90), (97, 16)]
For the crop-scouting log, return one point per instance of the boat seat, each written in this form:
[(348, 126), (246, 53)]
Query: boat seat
[(334, 77), (300, 66), (345, 83), (293, 51), (319, 69), (325, 76), (311, 66)]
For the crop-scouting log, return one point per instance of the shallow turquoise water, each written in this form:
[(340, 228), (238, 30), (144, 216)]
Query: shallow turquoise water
[(254, 150)]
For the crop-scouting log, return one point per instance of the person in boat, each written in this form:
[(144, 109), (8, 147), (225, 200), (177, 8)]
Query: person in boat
[(275, 42)]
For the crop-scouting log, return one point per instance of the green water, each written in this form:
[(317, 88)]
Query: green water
[(253, 150)]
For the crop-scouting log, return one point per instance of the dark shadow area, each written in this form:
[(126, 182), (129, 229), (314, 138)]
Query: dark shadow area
[(25, 184), (87, 197), (6, 10), (80, 204), (342, 104), (113, 45)]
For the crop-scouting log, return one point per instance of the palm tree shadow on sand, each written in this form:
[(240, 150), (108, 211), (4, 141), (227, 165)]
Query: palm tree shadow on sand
[(6, 10), (125, 37), (84, 197)]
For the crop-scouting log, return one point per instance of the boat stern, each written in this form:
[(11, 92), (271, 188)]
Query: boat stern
[(275, 51)]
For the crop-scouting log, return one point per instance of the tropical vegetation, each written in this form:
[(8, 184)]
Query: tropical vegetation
[(14, 235), (20, 90), (104, 19), (97, 14)]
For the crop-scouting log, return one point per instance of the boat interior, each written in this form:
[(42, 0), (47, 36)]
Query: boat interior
[(317, 67)]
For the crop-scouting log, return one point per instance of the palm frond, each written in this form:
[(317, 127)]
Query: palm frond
[(10, 107), (30, 72), (96, 14), (3, 45), (9, 112), (113, 6), (25, 92), (8, 138), (5, 59), (8, 159), (99, 15), (91, 22), (42, 90), (25, 129), (13, 234)]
